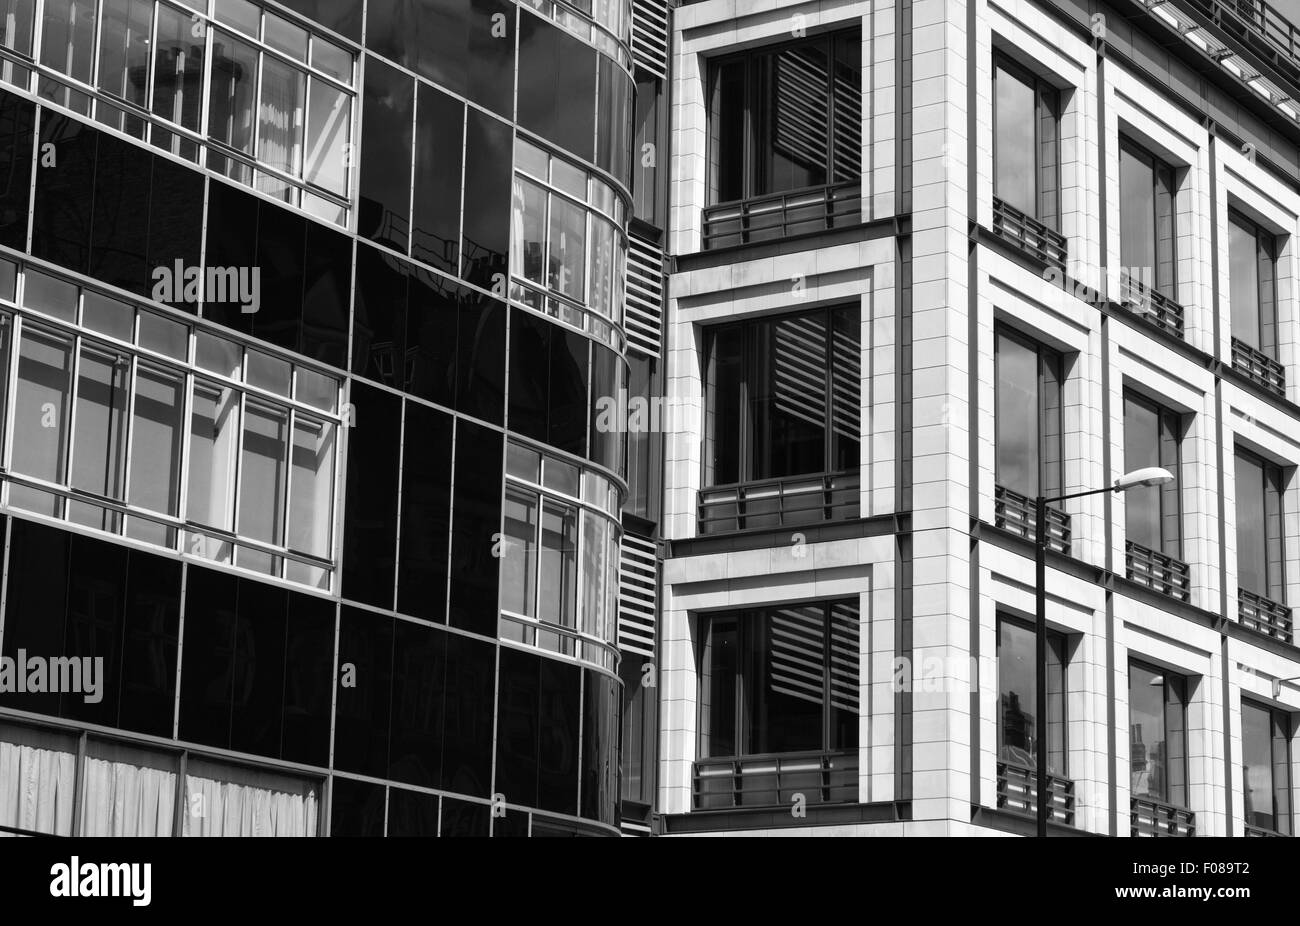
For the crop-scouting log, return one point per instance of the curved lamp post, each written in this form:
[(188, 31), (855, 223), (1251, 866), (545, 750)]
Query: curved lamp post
[(1137, 479)]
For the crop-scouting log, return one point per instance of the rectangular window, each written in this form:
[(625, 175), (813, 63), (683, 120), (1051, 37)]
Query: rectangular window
[(780, 680), (1153, 437), (41, 405), (786, 118), (99, 436), (1026, 142), (1266, 767), (783, 396), (1029, 449), (1147, 226), (1018, 697), (1260, 542), (1252, 282), (1157, 704)]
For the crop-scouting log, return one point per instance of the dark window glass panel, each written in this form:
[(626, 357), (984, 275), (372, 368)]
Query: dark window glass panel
[(36, 602), (1157, 724), (530, 352), (488, 168), (281, 238), (1243, 280), (784, 665), (727, 132), (793, 131), (557, 86), (514, 825), (461, 818), (96, 601), (411, 813), (639, 732), (149, 644), (426, 514), (439, 147), (517, 727), (787, 398), (644, 443), (120, 223), (846, 388), (1137, 213), (468, 711), (843, 659), (1151, 438), (327, 274), (231, 242), (356, 808), (364, 692), (176, 198), (645, 151), (64, 193), (1017, 415), (419, 666), (607, 383), (476, 520), (308, 674), (379, 318), (385, 184), (208, 656), (600, 733), (1252, 536), (16, 123), (256, 717), (1258, 786), (370, 514), (720, 673), (432, 310), (568, 403), (723, 399), (1018, 694), (481, 357), (559, 708), (1015, 172), (846, 101), (613, 125)]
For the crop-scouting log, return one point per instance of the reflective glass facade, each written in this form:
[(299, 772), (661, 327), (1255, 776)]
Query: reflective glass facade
[(300, 345)]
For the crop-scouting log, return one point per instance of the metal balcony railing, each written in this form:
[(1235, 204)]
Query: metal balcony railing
[(1031, 235), (1016, 513), (1260, 25), (1263, 615), (1151, 304), (1258, 367), (775, 780), (1158, 571), (772, 503), (1149, 817), (770, 218), (1261, 831), (1018, 793)]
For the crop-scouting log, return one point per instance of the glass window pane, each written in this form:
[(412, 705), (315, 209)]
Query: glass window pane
[(720, 667), (163, 336), (217, 355), (725, 373), (41, 407), (1155, 727), (1137, 214), (316, 389), (784, 687), (328, 124), (602, 267), (1017, 418), (528, 247), (214, 442), (1273, 496), (241, 14), (280, 121), (50, 295), (68, 37), (846, 621), (1243, 281), (312, 490), (156, 435), (18, 17), (231, 96), (267, 372), (560, 476), (1282, 772), (558, 564), (284, 36), (1257, 765), (1141, 449), (1251, 525), (594, 532), (331, 59), (124, 49), (566, 269), (99, 442), (787, 398), (1014, 180), (522, 462), (519, 557), (107, 316), (178, 69), (1017, 694), (261, 482), (794, 138)]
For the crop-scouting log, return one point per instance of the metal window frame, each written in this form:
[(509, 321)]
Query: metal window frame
[(1006, 617), (1044, 355), (1017, 71), (1184, 699)]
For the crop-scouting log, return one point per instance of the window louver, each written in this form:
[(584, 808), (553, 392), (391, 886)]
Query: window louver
[(643, 316), (637, 595), (650, 36)]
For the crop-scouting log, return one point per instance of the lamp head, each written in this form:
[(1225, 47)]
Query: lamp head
[(1141, 478)]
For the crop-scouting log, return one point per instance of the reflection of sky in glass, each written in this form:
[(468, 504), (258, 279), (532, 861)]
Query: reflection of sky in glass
[(1257, 760), (1243, 283), (1017, 416), (1251, 545), (1147, 734), (1014, 154), (1137, 233), (1141, 449)]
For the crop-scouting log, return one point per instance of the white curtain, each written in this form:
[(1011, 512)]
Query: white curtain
[(122, 799), (36, 788), (225, 808)]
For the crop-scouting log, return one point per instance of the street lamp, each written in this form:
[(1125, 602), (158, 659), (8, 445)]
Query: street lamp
[(1138, 478)]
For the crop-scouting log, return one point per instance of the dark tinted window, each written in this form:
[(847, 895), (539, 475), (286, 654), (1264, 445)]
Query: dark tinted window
[(256, 717), (614, 120), (1260, 537), (419, 662), (1028, 416), (343, 16), (96, 604), (370, 514), (231, 242), (385, 184), (481, 356), (36, 602), (308, 670), (517, 730), (1026, 118), (432, 310), (17, 117), (208, 656), (439, 147), (559, 708), (1153, 515), (467, 727), (379, 319), (1266, 758), (1252, 278), (476, 523), (488, 166), (557, 85), (281, 238), (1158, 729), (357, 808), (426, 514), (153, 593), (328, 274), (175, 199), (1018, 698), (607, 382), (120, 223), (65, 193), (461, 818), (412, 813), (364, 691), (548, 383)]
